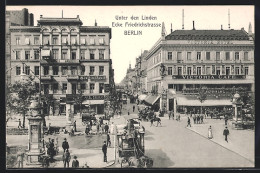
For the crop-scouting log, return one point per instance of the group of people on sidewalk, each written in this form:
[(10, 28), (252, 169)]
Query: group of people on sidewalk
[(66, 156)]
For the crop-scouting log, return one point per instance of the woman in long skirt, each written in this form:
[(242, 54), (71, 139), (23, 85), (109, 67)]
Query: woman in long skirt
[(210, 135)]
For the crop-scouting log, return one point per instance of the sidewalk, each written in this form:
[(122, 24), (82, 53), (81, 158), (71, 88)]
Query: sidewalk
[(241, 142)]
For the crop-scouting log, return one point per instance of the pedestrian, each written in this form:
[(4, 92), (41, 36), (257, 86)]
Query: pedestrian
[(194, 118), (226, 119), (75, 162), (198, 119), (66, 158), (20, 158), (97, 126), (151, 121), (57, 145), (49, 128), (51, 150), (170, 112), (226, 133), (201, 118), (106, 128), (133, 108), (108, 140), (210, 135), (87, 129), (102, 128), (104, 149), (188, 122), (75, 126), (19, 124), (65, 145), (172, 115)]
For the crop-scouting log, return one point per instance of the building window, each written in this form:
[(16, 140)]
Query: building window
[(27, 40), (64, 54), (83, 86), (189, 56), (246, 70), (36, 54), (246, 56), (227, 70), (179, 56), (169, 70), (189, 70), (73, 70), (82, 41), (27, 70), (73, 55), (169, 55), (46, 40), (208, 71), (170, 86), (64, 88), (101, 54), (82, 70), (36, 70), (227, 56), (198, 55), (18, 41), (18, 54), (92, 87), (73, 40), (92, 70), (55, 54), (101, 41), (54, 40), (179, 71), (92, 54), (27, 55), (208, 56), (198, 70), (217, 56), (36, 40), (64, 40), (64, 70), (55, 70), (218, 70), (237, 70), (46, 70), (92, 41), (82, 54), (101, 87), (236, 56), (55, 88), (18, 70), (101, 70)]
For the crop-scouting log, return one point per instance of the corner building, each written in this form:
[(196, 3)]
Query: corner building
[(185, 60), (67, 59)]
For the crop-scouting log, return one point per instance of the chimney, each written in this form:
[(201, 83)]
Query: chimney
[(193, 25), (171, 27), (40, 16), (95, 22), (77, 16), (221, 27), (182, 18), (228, 19)]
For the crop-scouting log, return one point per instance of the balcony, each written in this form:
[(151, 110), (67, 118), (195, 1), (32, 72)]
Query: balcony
[(72, 77)]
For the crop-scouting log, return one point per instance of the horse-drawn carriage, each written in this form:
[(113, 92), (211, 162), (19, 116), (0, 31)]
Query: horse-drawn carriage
[(87, 117), (131, 145)]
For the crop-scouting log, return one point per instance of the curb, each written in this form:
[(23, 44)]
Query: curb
[(220, 145)]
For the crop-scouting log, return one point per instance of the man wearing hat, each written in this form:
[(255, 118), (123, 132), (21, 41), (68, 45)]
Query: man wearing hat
[(66, 158), (65, 144), (226, 133), (75, 162), (104, 149)]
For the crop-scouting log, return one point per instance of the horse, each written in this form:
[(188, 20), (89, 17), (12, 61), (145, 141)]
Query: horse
[(158, 120)]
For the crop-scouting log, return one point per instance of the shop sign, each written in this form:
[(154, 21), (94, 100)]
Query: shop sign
[(224, 77), (93, 78), (94, 97)]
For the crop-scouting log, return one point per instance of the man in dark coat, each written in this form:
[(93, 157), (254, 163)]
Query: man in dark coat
[(106, 128), (75, 162), (66, 158), (133, 108), (104, 149), (75, 126), (65, 144), (108, 140), (226, 133)]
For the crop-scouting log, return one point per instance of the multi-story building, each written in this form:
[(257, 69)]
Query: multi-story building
[(14, 18), (185, 60), (68, 60), (140, 69)]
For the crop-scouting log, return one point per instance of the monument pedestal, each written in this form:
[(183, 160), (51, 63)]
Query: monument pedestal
[(35, 147)]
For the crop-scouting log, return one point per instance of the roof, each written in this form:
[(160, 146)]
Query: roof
[(57, 21), (208, 35)]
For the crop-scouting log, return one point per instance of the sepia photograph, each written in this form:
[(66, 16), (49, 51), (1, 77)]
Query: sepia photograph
[(93, 87)]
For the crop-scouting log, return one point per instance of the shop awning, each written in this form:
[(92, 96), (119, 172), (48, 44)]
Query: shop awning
[(93, 102), (183, 101), (142, 97), (151, 99), (46, 53)]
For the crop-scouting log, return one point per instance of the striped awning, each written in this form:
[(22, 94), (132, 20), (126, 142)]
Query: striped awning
[(151, 99)]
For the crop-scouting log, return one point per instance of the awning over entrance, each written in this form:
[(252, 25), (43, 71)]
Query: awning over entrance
[(142, 97), (151, 99), (46, 53), (93, 102), (183, 101)]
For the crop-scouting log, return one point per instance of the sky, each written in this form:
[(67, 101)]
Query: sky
[(126, 48)]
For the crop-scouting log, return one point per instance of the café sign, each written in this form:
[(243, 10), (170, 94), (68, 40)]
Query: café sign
[(93, 78), (224, 77)]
